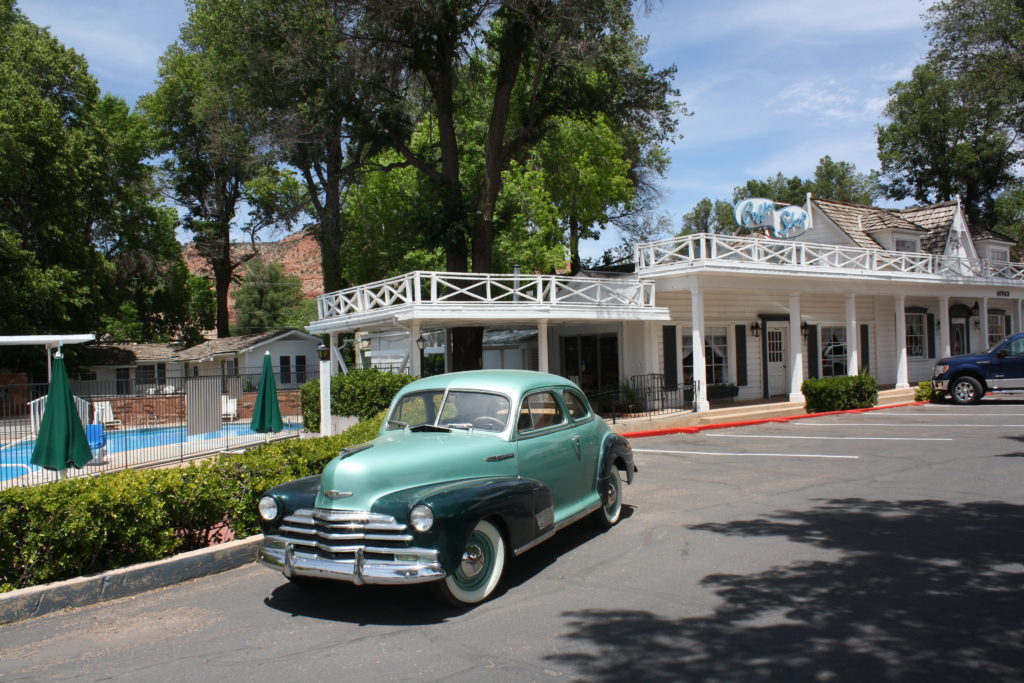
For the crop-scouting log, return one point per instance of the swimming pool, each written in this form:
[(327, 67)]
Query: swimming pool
[(15, 459)]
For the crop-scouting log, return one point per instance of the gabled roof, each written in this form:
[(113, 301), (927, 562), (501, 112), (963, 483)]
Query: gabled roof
[(130, 354), (859, 221), (232, 345), (937, 219)]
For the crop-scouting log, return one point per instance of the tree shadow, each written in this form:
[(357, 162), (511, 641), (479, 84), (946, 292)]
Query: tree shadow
[(924, 590), (417, 604)]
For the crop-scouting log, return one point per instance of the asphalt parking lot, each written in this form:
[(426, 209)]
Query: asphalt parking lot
[(862, 547)]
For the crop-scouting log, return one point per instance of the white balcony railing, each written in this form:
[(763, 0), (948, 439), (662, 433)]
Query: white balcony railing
[(704, 249), (460, 289)]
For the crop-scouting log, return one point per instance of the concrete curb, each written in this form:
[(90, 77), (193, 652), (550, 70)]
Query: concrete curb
[(744, 423), (36, 601)]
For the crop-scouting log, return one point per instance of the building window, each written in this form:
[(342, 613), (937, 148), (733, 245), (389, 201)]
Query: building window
[(151, 374), (906, 245), (833, 351), (300, 369), (286, 370), (915, 335), (999, 253), (996, 327), (716, 356)]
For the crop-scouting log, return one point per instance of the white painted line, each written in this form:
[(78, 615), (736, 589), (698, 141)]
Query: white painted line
[(962, 414), (834, 438), (765, 455), (804, 423)]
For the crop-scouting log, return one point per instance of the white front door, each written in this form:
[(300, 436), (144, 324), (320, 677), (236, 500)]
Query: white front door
[(776, 335)]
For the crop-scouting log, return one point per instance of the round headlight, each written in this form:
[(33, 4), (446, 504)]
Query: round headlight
[(268, 508), (421, 518)]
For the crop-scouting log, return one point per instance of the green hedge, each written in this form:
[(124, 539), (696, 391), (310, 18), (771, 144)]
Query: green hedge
[(87, 525), (840, 393), (360, 393)]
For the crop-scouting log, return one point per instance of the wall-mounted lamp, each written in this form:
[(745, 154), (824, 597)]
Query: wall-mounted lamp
[(977, 324), (938, 324), (755, 329), (803, 329), (974, 308), (421, 342), (323, 352)]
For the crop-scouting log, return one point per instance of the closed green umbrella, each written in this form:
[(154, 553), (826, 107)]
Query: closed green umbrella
[(266, 415), (61, 440)]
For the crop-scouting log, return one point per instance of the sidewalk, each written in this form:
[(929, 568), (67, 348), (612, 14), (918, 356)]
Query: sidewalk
[(118, 583)]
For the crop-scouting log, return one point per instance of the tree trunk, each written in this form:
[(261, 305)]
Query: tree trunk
[(467, 348)]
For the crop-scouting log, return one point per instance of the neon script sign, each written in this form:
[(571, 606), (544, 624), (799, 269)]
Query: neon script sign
[(786, 223)]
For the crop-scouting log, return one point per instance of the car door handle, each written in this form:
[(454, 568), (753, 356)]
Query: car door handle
[(576, 438), (496, 458)]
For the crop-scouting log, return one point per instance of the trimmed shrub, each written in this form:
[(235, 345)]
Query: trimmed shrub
[(925, 392), (840, 393), (360, 393), (88, 525)]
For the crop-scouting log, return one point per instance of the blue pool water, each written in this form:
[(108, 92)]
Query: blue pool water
[(14, 459)]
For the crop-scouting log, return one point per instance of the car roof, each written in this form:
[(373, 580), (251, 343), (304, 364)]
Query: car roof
[(510, 382)]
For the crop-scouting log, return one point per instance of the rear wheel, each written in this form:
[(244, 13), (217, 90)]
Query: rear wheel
[(480, 569), (611, 500), (965, 390)]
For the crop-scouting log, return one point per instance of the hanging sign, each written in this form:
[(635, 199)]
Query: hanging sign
[(787, 222)]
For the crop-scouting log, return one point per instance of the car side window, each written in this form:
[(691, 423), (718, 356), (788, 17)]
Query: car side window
[(575, 405), (1015, 348), (539, 411)]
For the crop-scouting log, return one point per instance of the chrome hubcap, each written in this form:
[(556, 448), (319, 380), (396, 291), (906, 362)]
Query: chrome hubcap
[(612, 495), (472, 561)]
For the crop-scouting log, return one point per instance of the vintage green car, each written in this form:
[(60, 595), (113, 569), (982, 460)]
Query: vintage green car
[(469, 469)]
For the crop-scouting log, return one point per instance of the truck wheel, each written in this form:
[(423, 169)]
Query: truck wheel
[(966, 390), (479, 572)]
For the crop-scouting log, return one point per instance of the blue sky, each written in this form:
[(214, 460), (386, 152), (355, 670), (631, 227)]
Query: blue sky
[(773, 85)]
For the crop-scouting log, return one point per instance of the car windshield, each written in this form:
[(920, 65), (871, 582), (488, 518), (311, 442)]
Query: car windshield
[(456, 409)]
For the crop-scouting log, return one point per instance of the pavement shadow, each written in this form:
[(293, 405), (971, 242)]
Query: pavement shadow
[(417, 605), (924, 590)]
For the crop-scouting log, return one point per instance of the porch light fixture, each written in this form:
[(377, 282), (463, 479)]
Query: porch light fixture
[(974, 308), (803, 329), (421, 342), (977, 324), (323, 352), (755, 329)]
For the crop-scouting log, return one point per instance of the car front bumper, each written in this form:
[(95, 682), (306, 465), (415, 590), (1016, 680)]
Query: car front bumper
[(940, 385), (280, 554)]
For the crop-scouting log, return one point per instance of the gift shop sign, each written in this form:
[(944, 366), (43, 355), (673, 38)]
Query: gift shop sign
[(785, 222)]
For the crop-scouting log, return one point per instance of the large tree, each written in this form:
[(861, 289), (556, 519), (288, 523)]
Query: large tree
[(265, 296)]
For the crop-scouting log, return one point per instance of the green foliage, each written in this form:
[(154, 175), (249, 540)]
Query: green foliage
[(840, 393), (87, 525), (924, 392), (708, 216), (264, 296), (360, 393)]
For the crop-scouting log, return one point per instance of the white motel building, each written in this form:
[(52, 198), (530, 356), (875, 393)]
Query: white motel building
[(827, 289)]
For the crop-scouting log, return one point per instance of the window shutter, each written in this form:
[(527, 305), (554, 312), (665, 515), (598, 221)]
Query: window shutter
[(865, 350), (931, 335), (668, 335), (812, 351), (741, 355)]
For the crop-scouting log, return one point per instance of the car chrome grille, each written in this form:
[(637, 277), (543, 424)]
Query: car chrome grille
[(339, 534)]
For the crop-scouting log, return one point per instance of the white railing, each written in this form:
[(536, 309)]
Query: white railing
[(705, 248), (37, 407), (439, 288)]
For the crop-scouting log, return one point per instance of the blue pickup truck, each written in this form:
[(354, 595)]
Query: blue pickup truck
[(968, 377)]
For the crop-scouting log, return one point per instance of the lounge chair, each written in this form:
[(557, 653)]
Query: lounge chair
[(103, 414), (97, 440), (228, 408)]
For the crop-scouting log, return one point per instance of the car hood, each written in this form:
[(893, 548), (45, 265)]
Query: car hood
[(361, 475), (964, 358)]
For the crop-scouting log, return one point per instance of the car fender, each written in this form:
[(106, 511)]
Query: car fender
[(615, 449), (291, 496), (523, 506)]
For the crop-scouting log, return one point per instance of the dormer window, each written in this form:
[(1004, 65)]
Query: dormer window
[(904, 244), (999, 253)]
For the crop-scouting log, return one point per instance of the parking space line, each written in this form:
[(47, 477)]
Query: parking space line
[(963, 414), (834, 438), (763, 455)]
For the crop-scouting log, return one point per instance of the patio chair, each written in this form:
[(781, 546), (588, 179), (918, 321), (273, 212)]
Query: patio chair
[(97, 440), (103, 414), (228, 408)]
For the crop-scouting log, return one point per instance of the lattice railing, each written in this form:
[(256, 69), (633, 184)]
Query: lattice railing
[(436, 288), (704, 248)]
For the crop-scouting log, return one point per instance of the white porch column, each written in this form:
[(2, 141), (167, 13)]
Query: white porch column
[(983, 319), (852, 338), (902, 381), (326, 420), (1017, 326), (542, 346), (944, 347), (700, 372), (796, 349), (415, 359), (337, 360)]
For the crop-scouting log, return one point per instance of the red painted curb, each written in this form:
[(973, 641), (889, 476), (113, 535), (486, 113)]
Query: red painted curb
[(746, 423)]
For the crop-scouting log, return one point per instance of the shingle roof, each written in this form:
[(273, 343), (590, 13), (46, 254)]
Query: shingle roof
[(229, 344), (129, 354), (937, 219), (858, 221)]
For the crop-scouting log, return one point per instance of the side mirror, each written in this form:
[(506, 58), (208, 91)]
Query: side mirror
[(1001, 354)]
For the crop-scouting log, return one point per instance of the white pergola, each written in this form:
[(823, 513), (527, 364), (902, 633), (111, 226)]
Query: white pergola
[(49, 341)]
